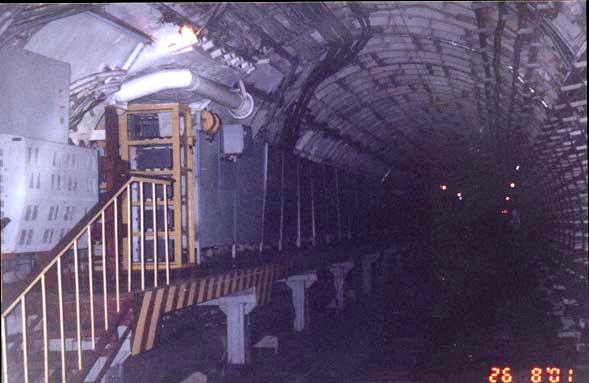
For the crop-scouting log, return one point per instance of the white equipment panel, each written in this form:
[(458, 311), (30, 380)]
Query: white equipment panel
[(45, 189)]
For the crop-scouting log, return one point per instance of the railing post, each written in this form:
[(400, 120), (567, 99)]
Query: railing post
[(91, 286), (166, 234), (154, 207), (77, 285), (142, 234), (45, 342), (61, 324), (104, 288), (116, 238), (25, 352), (129, 239)]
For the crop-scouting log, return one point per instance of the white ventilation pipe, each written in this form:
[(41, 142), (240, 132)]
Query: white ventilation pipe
[(240, 103)]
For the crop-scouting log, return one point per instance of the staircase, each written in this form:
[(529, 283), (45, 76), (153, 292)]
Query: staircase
[(78, 307)]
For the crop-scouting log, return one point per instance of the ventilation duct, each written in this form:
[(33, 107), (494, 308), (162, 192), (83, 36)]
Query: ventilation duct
[(240, 103)]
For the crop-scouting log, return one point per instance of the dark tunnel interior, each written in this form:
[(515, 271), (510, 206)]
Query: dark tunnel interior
[(294, 192)]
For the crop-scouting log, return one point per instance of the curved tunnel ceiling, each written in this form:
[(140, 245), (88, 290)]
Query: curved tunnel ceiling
[(376, 88)]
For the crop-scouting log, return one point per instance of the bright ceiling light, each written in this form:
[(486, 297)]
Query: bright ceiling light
[(171, 39), (443, 187), (512, 185), (188, 34), (516, 168), (459, 195), (507, 198)]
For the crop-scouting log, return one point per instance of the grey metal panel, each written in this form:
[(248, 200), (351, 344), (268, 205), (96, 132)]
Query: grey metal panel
[(216, 200), (272, 217), (290, 200), (35, 95), (250, 181), (223, 183)]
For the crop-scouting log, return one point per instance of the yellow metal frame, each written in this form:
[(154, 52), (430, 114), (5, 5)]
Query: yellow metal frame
[(182, 143)]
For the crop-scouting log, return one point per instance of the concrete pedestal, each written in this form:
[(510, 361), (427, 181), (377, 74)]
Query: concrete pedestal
[(367, 261), (339, 271), (236, 307), (299, 284)]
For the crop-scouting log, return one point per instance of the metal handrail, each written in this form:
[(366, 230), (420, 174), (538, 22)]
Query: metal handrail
[(70, 242)]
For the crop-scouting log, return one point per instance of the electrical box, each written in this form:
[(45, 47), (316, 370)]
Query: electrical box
[(232, 139), (35, 95)]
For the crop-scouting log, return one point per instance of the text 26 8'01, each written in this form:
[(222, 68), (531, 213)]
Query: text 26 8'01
[(536, 375)]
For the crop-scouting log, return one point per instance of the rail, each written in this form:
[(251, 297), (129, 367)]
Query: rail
[(40, 318)]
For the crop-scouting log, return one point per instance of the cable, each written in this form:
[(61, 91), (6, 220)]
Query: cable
[(337, 58)]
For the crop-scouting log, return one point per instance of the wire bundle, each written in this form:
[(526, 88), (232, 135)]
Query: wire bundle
[(339, 55)]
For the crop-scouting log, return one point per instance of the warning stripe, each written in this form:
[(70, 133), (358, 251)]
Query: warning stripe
[(210, 290), (181, 296), (231, 283), (260, 285), (247, 278), (227, 283), (140, 325), (170, 300), (201, 290), (219, 281), (163, 300), (241, 279), (154, 318), (269, 284), (192, 293)]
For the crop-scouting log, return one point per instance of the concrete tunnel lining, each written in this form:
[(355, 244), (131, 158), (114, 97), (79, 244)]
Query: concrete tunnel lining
[(403, 95)]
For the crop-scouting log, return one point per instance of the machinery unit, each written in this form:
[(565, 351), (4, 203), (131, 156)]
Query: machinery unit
[(45, 189)]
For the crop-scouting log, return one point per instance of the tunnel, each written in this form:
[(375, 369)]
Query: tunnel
[(294, 192)]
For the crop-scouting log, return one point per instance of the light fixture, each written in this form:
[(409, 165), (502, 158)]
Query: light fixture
[(516, 167), (443, 187), (171, 38), (512, 185), (188, 34), (507, 198), (459, 195)]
